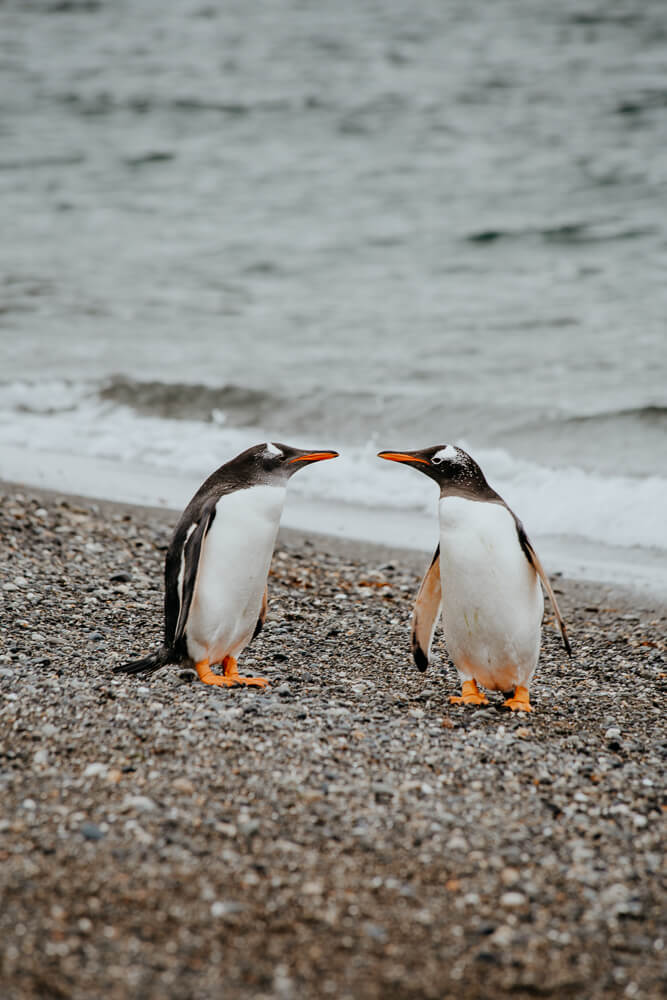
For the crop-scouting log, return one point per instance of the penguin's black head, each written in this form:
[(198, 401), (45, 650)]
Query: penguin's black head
[(452, 468), (280, 461)]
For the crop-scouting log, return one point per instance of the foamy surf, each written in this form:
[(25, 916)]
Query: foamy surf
[(70, 437)]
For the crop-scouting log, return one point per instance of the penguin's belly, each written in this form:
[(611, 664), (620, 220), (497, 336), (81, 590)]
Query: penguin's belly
[(233, 567), (492, 602)]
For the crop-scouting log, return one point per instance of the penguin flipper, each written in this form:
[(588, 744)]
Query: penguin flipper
[(425, 615), (181, 585), (533, 559), (262, 614)]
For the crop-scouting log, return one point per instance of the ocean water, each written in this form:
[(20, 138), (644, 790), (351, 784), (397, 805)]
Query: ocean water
[(358, 226)]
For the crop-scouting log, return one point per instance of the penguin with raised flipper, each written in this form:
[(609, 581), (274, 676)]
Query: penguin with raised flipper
[(218, 562), (485, 578)]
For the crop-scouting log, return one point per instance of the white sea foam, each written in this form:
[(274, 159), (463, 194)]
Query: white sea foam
[(70, 420)]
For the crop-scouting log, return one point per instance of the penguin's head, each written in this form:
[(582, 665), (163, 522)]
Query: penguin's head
[(280, 461), (449, 466)]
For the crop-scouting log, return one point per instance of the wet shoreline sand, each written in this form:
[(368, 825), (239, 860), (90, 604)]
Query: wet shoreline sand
[(346, 833)]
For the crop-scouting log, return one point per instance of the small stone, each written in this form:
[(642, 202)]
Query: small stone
[(138, 833), (9, 587), (183, 785), (139, 802), (313, 888), (374, 931), (121, 577), (40, 757), (457, 842), (502, 936), (226, 908), (95, 770), (509, 876), (512, 899), (284, 691), (91, 831)]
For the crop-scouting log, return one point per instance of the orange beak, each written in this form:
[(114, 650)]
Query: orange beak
[(399, 456), (314, 456)]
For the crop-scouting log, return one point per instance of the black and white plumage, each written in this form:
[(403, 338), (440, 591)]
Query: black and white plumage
[(218, 562), (485, 579)]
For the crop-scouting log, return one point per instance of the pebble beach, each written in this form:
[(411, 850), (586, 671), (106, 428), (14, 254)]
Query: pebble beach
[(346, 833)]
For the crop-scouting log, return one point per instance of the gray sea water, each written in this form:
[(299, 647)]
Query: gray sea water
[(357, 225)]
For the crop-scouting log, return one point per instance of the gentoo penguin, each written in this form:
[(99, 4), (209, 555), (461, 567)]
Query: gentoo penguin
[(218, 561), (484, 577)]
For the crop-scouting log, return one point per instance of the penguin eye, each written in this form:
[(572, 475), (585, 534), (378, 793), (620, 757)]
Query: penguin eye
[(437, 460)]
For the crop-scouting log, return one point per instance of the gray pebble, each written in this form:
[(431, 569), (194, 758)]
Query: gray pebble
[(90, 831)]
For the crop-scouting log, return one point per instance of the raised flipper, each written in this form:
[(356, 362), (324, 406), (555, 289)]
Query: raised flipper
[(425, 615), (262, 614), (533, 559)]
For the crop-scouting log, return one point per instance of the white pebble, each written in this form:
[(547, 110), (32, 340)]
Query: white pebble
[(139, 802), (94, 770), (512, 899)]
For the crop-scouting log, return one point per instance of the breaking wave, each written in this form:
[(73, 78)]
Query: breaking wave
[(189, 430)]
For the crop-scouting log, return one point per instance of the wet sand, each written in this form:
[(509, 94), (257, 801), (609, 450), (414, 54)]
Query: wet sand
[(346, 833)]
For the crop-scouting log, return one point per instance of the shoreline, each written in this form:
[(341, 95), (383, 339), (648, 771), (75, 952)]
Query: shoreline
[(586, 590), (640, 570), (346, 832)]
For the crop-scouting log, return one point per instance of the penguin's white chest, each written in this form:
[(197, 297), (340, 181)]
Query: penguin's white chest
[(492, 601), (233, 567)]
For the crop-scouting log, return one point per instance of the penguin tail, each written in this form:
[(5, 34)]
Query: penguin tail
[(148, 664)]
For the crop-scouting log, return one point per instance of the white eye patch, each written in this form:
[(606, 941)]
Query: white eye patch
[(446, 454), (272, 450)]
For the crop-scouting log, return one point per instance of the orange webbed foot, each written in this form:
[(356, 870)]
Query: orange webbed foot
[(206, 676), (520, 702), (470, 695), (232, 675)]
